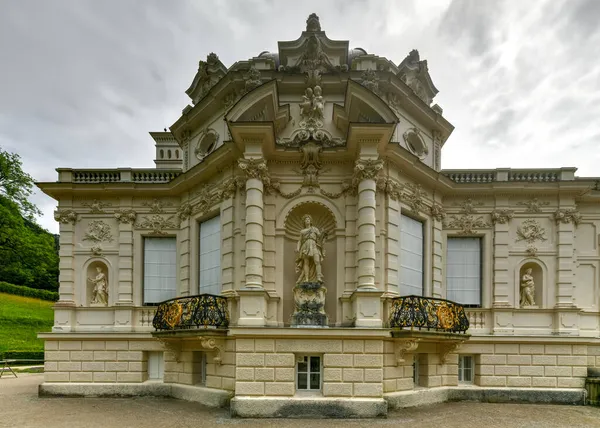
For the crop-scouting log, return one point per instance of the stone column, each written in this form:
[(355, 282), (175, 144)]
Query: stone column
[(123, 301), (253, 298), (566, 316), (64, 308), (366, 299)]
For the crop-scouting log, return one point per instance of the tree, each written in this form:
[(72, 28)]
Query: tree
[(28, 253), (15, 184)]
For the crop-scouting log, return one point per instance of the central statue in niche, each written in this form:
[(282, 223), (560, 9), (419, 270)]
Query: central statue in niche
[(310, 252), (309, 292)]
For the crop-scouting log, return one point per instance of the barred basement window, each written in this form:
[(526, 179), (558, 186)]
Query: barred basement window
[(465, 368), (416, 369), (308, 374), (155, 365)]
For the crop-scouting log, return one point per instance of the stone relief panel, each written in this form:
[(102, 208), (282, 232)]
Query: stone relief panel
[(532, 234)]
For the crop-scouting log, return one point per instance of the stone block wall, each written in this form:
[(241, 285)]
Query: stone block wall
[(98, 360), (351, 368), (535, 365)]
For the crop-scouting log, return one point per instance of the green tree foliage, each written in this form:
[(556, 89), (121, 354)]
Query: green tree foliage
[(28, 253), (15, 184)]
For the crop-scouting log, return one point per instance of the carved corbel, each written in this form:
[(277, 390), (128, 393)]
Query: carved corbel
[(211, 344), (403, 347), (173, 347), (447, 349)]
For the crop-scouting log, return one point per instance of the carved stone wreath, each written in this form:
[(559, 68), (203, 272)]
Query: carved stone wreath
[(98, 231), (531, 231)]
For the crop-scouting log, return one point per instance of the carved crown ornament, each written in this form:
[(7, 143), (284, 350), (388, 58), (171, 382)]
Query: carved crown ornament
[(66, 216)]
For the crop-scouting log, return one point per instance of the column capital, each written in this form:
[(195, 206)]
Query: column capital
[(367, 169)]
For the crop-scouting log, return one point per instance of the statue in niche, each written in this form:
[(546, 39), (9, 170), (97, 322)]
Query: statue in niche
[(310, 252), (527, 289), (100, 292)]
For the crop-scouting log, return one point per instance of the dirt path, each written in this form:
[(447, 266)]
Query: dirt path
[(21, 407)]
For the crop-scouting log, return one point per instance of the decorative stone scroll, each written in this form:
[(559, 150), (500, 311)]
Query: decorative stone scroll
[(390, 187), (66, 216), (214, 345), (447, 348), (404, 347), (438, 212)]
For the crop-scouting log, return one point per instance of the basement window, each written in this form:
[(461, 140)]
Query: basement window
[(465, 368), (308, 373)]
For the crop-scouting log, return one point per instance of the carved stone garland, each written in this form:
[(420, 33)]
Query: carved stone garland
[(126, 216), (157, 224), (438, 212), (96, 206), (568, 215), (533, 205), (502, 216), (414, 199)]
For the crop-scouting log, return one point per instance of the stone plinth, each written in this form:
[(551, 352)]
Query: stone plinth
[(309, 305)]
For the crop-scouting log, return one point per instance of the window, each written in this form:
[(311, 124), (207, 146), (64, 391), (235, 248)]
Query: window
[(160, 271), (465, 368), (463, 271), (308, 374), (155, 365), (210, 256), (411, 256)]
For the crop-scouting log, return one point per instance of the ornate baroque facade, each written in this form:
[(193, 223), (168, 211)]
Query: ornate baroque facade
[(293, 207)]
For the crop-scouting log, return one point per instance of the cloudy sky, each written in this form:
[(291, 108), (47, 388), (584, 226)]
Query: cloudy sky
[(82, 82)]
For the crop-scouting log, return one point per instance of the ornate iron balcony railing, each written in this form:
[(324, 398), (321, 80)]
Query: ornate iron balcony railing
[(429, 313), (201, 311)]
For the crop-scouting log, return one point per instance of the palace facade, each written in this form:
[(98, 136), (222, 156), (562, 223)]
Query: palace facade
[(297, 250)]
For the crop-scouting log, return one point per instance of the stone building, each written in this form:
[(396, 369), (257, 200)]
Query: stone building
[(298, 249)]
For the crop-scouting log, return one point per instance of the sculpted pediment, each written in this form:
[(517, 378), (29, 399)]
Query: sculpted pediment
[(208, 75), (313, 52), (415, 74)]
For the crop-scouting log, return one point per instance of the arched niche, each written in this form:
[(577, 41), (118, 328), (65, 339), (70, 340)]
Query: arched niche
[(324, 219), (539, 279), (97, 275)]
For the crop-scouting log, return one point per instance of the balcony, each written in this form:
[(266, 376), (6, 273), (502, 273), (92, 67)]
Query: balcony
[(416, 312), (192, 312)]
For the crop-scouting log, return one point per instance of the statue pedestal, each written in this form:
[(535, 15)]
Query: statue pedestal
[(309, 305)]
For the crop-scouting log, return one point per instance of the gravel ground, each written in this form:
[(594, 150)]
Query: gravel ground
[(21, 407)]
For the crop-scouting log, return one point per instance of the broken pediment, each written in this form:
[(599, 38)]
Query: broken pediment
[(313, 53), (208, 75), (415, 74)]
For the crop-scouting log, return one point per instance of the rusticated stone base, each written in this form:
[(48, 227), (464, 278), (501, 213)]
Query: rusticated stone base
[(308, 407), (207, 396)]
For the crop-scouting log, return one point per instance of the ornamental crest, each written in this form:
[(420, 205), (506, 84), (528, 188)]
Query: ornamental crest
[(157, 224), (98, 231)]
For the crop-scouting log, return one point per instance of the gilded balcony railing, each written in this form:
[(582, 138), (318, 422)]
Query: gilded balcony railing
[(428, 313), (201, 311)]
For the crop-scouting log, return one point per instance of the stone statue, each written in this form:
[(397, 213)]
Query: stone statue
[(310, 252), (100, 292), (318, 104), (527, 289), (306, 105)]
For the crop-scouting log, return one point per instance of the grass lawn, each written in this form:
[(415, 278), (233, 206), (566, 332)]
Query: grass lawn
[(21, 318)]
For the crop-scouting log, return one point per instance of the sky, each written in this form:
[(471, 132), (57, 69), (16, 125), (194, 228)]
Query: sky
[(83, 82)]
